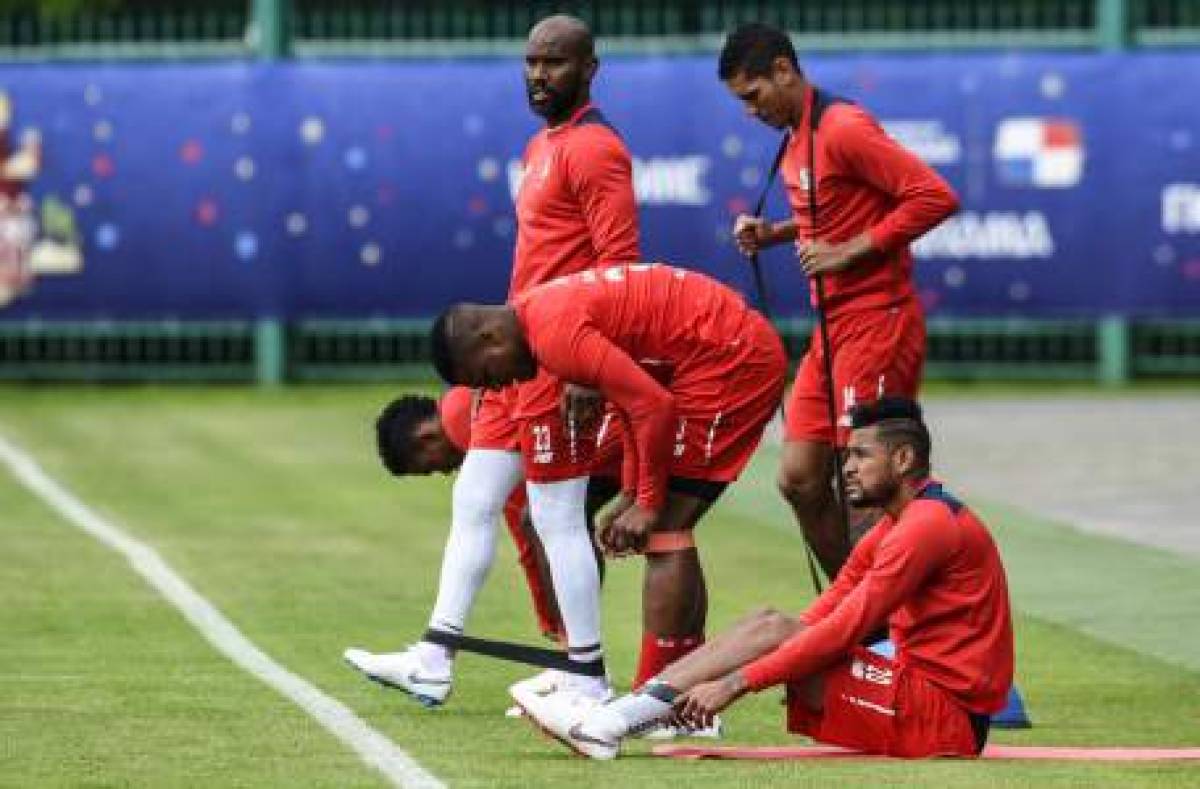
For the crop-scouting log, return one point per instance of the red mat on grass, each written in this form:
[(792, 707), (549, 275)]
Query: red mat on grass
[(991, 752)]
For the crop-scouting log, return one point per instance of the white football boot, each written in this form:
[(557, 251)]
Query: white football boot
[(403, 671), (552, 680), (546, 682), (578, 720)]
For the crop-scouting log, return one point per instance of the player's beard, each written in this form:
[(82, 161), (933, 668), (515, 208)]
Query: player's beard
[(558, 103), (879, 496)]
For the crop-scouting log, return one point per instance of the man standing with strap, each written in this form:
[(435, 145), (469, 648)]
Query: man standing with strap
[(575, 209), (858, 200)]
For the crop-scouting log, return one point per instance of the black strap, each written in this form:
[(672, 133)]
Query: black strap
[(819, 104), (517, 653), (595, 116), (760, 284), (764, 306)]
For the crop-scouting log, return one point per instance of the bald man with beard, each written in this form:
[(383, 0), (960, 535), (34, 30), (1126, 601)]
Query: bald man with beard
[(575, 209)]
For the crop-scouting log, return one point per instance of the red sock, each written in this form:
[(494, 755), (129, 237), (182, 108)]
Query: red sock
[(658, 652), (543, 606)]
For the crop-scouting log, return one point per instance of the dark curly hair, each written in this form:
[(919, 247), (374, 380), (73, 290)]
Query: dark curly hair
[(394, 430)]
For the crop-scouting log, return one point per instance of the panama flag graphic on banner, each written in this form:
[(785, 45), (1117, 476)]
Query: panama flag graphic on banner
[(1044, 153)]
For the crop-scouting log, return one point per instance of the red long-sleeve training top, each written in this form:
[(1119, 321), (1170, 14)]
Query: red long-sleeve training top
[(866, 182), (575, 207), (575, 210), (594, 328), (934, 576)]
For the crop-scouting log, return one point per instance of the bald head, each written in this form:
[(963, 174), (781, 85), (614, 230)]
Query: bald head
[(560, 62), (570, 33)]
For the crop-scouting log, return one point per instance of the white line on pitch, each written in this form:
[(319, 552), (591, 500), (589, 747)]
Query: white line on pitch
[(374, 748)]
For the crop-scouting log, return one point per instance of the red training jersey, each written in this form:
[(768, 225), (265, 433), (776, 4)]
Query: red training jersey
[(866, 182), (575, 206), (597, 328), (935, 576), (575, 210), (454, 409)]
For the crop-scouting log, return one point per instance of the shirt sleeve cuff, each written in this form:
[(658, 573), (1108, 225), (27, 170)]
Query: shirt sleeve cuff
[(759, 676)]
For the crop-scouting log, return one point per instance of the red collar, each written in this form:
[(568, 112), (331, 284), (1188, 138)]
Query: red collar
[(571, 121)]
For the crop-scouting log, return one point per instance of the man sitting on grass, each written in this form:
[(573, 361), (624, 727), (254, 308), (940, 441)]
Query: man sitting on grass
[(928, 569)]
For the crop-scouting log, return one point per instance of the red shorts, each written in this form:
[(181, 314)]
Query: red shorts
[(875, 353), (722, 409), (610, 444), (874, 706), (528, 418), (610, 434)]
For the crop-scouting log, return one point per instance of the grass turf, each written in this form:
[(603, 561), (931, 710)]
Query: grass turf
[(272, 505)]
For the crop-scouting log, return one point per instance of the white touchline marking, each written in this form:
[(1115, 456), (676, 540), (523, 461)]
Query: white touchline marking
[(374, 748)]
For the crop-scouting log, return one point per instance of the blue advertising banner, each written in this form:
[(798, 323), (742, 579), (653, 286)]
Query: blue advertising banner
[(361, 189)]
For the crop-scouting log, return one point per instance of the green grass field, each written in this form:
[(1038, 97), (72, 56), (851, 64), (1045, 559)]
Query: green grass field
[(272, 505)]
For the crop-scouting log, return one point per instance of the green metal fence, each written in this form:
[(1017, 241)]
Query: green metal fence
[(1165, 348), (323, 19), (128, 351), (1165, 22), (428, 28), (323, 350), (1109, 351), (216, 28), (245, 28)]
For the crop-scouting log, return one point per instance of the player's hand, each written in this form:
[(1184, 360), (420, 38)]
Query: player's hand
[(751, 234), (607, 517), (582, 406), (629, 531), (820, 257), (698, 706)]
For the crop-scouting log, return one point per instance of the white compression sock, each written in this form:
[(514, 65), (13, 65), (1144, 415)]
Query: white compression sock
[(639, 710), (484, 483), (560, 518)]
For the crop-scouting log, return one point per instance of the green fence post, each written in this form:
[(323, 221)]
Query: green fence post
[(1112, 340), (1112, 24), (269, 351), (272, 23)]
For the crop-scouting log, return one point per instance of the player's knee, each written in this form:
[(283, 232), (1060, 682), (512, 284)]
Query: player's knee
[(475, 506), (776, 627), (804, 491), (767, 621), (761, 615), (557, 508)]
